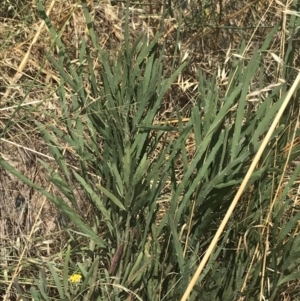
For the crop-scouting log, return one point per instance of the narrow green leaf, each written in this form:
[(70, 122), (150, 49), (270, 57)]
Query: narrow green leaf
[(177, 246), (140, 171), (252, 67), (110, 196), (55, 150), (66, 273), (289, 278), (166, 84), (56, 280), (115, 173), (147, 48), (35, 295), (94, 197), (198, 178), (88, 275), (135, 266)]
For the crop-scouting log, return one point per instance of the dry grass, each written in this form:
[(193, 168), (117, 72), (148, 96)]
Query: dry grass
[(209, 37)]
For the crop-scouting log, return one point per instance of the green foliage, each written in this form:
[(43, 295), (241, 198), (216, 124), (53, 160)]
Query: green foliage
[(110, 128)]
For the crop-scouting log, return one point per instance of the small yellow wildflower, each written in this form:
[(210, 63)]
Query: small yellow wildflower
[(75, 278)]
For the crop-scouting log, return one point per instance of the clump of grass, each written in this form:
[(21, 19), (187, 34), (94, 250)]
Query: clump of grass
[(119, 249)]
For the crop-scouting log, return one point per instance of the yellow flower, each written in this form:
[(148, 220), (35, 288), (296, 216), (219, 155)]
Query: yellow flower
[(75, 278)]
